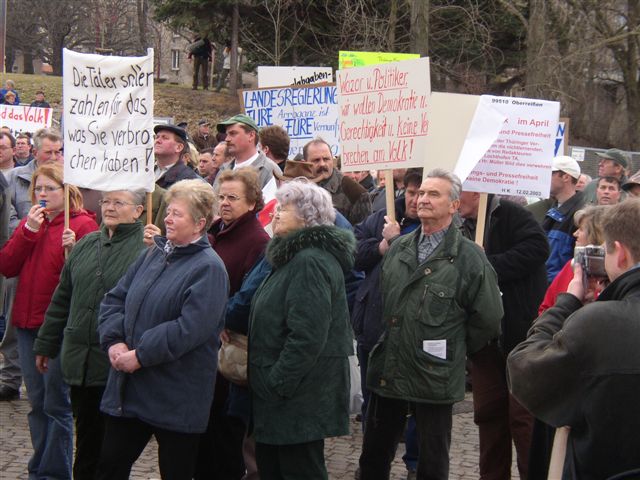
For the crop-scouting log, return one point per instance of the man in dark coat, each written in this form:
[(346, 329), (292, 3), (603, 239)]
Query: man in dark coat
[(579, 365), (374, 237), (168, 148), (200, 52), (517, 249)]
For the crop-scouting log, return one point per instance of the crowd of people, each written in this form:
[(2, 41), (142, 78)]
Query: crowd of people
[(277, 271)]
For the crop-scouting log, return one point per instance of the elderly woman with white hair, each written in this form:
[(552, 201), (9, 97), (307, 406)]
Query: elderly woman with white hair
[(300, 337)]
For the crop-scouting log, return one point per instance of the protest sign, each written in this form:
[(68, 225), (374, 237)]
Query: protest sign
[(23, 118), (519, 161), (383, 115), (269, 77), (562, 137), (108, 121), (364, 59), (304, 112)]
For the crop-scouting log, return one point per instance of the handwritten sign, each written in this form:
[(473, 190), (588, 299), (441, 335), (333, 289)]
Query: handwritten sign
[(518, 161), (22, 118), (269, 77), (304, 112), (108, 121), (384, 121), (364, 59)]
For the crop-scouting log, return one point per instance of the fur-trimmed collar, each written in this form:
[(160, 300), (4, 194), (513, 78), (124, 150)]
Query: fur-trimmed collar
[(337, 241)]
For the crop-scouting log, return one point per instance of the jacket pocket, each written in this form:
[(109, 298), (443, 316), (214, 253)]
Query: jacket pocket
[(437, 303), (259, 372)]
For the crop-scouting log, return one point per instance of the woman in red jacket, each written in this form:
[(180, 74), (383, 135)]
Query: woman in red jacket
[(35, 254)]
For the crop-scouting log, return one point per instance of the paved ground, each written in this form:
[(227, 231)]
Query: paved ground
[(341, 453)]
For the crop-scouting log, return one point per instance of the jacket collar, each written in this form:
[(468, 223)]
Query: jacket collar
[(236, 224), (332, 184), (123, 231), (201, 244), (622, 286), (448, 248), (337, 241)]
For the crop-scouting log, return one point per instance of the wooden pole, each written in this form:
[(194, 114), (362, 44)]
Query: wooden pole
[(149, 197), (390, 194), (482, 218), (66, 214), (558, 453)]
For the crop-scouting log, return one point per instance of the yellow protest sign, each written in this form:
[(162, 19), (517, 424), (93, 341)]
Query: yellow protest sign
[(362, 59)]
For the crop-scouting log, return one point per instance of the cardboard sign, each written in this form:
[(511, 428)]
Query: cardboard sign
[(304, 112), (519, 161), (269, 77), (108, 121), (23, 118), (364, 59), (384, 122)]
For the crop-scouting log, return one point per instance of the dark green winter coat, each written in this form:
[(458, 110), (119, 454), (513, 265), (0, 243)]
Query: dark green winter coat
[(70, 327), (300, 338), (451, 297)]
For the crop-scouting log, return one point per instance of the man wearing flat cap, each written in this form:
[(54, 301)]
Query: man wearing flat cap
[(170, 143), (203, 138), (242, 143), (613, 163)]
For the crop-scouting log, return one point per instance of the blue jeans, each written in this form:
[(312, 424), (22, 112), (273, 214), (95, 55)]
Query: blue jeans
[(50, 418)]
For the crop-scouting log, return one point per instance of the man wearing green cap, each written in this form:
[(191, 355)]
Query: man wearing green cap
[(242, 143), (613, 163)]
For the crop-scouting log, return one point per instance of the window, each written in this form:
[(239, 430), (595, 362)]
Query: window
[(175, 59)]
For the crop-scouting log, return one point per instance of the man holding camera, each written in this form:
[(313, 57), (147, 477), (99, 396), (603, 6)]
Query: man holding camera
[(580, 363)]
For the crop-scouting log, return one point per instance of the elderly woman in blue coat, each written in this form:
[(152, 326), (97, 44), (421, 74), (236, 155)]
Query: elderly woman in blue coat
[(160, 327), (300, 337)]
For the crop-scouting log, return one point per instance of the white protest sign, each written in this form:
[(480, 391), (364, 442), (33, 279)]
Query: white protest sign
[(23, 118), (269, 77), (519, 160), (304, 112), (384, 121), (108, 121)]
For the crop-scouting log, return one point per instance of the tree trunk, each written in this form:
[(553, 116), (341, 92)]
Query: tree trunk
[(233, 74), (27, 59), (632, 82), (536, 37), (420, 27)]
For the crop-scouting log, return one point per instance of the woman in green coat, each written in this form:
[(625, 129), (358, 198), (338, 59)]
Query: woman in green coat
[(300, 337), (70, 328)]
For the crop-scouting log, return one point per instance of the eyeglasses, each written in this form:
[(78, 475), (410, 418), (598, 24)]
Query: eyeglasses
[(46, 188), (232, 198), (117, 204)]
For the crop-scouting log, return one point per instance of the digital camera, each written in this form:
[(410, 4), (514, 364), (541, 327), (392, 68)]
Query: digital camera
[(591, 258)]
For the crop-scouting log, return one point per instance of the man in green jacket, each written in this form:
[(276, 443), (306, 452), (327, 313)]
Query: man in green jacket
[(441, 302)]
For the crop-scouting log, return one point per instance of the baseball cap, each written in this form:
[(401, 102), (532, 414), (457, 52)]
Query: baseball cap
[(240, 118), (203, 122), (567, 165), (616, 155)]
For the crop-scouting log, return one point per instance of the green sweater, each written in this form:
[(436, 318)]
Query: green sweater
[(93, 268)]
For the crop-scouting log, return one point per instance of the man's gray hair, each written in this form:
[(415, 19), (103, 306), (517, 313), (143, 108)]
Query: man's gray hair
[(48, 133), (312, 203), (452, 178)]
